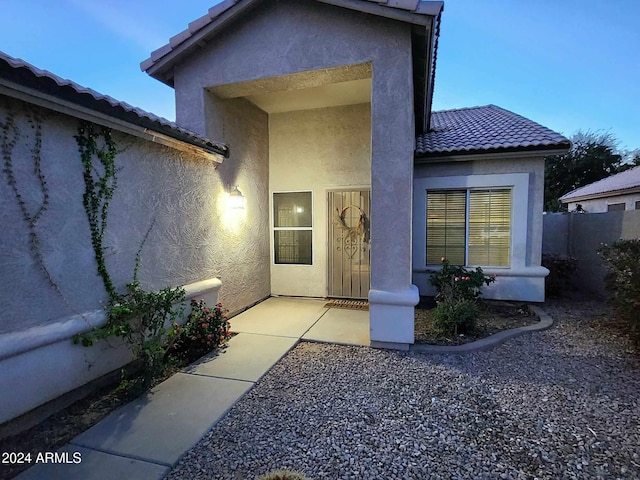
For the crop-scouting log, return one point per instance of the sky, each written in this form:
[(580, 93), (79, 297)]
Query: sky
[(567, 64)]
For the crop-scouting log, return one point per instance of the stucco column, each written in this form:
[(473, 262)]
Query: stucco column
[(392, 296)]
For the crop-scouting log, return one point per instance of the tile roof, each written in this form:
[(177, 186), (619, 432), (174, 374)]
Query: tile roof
[(486, 129), (200, 28), (611, 185), (21, 73)]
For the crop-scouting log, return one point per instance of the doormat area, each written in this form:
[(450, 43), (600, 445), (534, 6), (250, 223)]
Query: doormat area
[(348, 304)]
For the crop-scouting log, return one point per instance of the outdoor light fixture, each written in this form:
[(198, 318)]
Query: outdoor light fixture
[(236, 199)]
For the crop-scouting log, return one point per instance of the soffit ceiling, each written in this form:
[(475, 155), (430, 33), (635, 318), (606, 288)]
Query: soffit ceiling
[(329, 87), (330, 95)]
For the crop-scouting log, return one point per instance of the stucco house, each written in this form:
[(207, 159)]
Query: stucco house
[(618, 192), (367, 188), (314, 118)]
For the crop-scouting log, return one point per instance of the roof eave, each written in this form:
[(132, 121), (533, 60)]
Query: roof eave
[(472, 154), (171, 139), (593, 196), (160, 64), (161, 68), (432, 57), (427, 10)]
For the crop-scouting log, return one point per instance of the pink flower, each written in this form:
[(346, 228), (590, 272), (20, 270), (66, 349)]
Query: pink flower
[(456, 279)]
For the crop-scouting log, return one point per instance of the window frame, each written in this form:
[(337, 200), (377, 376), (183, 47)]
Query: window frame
[(468, 194), (616, 207), (275, 229), (520, 213)]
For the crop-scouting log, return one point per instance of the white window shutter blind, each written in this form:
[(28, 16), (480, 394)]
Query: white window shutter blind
[(489, 227), (446, 230)]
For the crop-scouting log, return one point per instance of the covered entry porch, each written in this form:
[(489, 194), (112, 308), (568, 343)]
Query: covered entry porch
[(315, 133), (305, 122), (306, 319)]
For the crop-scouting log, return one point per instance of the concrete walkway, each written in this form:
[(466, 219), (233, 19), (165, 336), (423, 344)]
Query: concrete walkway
[(145, 438)]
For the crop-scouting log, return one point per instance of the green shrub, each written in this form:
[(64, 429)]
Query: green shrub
[(140, 318), (622, 261), (206, 328), (456, 316), (458, 294), (561, 267), (284, 474)]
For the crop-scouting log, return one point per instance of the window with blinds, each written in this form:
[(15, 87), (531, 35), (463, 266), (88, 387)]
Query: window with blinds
[(469, 227), (446, 226)]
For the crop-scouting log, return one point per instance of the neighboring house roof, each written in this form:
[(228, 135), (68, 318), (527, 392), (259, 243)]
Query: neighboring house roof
[(487, 129), (618, 184), (20, 79), (423, 13)]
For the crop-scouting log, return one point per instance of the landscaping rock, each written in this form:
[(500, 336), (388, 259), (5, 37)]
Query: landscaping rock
[(555, 404)]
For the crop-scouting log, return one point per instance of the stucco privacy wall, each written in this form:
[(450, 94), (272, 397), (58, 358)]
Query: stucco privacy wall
[(524, 280), (317, 150), (195, 237), (583, 235), (286, 37)]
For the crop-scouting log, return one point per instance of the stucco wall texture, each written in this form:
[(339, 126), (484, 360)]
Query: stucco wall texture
[(194, 235), (317, 150), (286, 37)]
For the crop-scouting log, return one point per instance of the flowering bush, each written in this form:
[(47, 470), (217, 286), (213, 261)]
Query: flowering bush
[(622, 260), (456, 282), (205, 329), (457, 299)]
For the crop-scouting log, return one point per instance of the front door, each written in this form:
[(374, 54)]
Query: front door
[(349, 243)]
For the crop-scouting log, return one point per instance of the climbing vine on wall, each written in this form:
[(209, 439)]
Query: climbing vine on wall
[(139, 317), (98, 152), (10, 136)]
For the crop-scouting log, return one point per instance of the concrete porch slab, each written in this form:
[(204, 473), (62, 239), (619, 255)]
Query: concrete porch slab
[(341, 326), (160, 426), (248, 357), (94, 465), (280, 316)]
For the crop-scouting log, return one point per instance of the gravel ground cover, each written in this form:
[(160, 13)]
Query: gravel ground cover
[(551, 405)]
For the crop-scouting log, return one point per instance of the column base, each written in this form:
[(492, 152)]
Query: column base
[(391, 317)]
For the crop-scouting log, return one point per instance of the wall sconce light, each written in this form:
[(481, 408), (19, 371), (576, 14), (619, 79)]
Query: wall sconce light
[(236, 199)]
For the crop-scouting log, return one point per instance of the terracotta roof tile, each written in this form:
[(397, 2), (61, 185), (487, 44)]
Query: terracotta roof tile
[(22, 73), (484, 129)]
